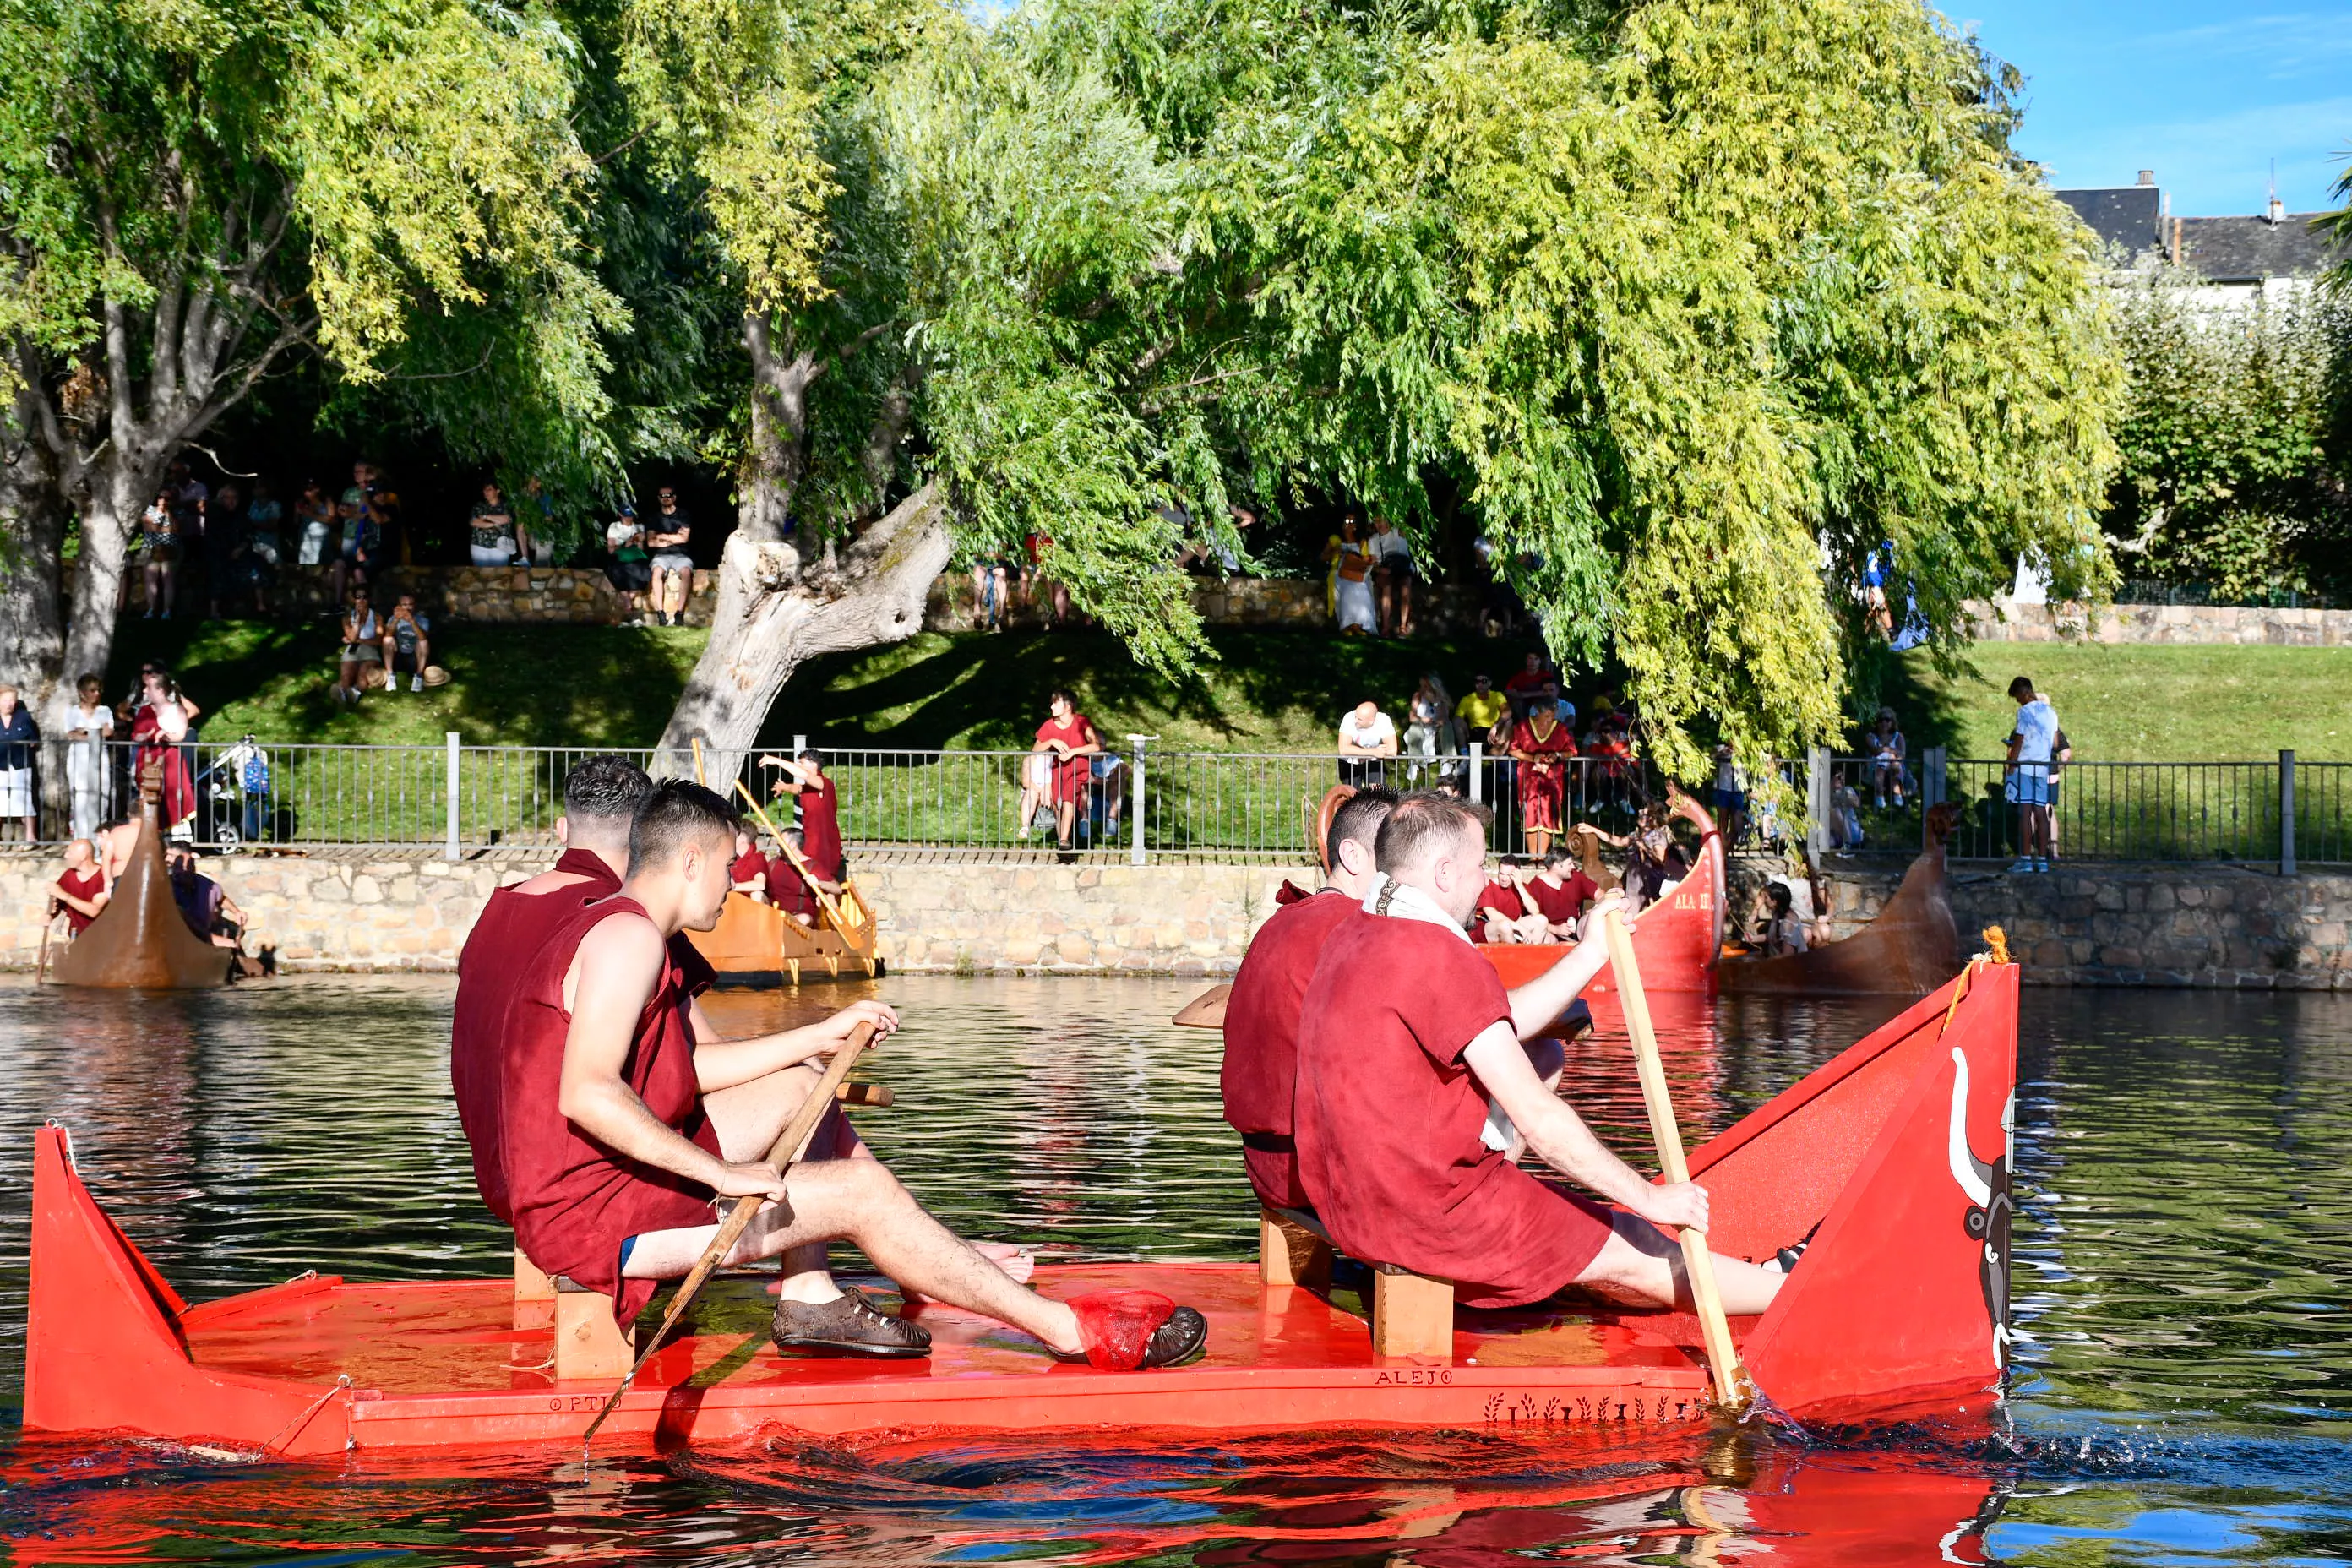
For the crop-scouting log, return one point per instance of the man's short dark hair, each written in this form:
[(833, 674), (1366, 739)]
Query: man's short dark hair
[(1422, 818), (2021, 687), (605, 788), (1561, 855), (1515, 861), (810, 755), (1358, 817), (1061, 694), (677, 813)]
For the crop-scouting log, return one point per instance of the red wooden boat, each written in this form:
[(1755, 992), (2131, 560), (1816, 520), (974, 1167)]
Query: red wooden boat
[(1893, 1158)]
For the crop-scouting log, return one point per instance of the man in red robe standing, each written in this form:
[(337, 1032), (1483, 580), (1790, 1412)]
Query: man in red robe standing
[(622, 1130), (1415, 1091), (820, 815), (1539, 745)]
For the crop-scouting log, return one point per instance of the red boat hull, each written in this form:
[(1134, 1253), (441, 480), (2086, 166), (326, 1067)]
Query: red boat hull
[(1880, 1156)]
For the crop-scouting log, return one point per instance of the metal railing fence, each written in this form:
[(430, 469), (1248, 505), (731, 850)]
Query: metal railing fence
[(1137, 802)]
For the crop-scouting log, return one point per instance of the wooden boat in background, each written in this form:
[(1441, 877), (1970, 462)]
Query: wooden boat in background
[(1907, 950), (140, 940), (1676, 939), (1894, 1158), (757, 944)]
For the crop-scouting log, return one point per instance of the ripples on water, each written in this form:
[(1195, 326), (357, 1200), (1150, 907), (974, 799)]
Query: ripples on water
[(2183, 1294)]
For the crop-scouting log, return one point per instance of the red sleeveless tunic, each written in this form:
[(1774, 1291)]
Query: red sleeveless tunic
[(507, 935), (574, 1200), (81, 885)]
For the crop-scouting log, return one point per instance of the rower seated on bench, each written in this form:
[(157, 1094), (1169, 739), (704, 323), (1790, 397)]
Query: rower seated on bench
[(1416, 1091)]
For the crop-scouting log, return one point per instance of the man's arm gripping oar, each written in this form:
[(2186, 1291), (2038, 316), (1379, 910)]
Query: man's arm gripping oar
[(1732, 1389), (789, 1148)]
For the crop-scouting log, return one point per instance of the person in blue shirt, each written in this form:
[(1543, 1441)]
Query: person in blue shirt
[(2036, 748)]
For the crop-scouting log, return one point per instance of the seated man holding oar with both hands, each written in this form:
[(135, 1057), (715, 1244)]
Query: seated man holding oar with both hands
[(616, 1142), (1408, 1050)]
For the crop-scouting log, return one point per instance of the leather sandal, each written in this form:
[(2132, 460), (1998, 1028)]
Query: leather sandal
[(846, 1326)]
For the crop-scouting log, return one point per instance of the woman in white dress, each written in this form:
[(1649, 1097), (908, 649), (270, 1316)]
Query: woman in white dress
[(91, 725)]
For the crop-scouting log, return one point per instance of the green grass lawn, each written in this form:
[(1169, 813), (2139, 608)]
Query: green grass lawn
[(1264, 690), (2144, 704)]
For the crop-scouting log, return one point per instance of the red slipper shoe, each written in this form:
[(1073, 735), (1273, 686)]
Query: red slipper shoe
[(1126, 1330)]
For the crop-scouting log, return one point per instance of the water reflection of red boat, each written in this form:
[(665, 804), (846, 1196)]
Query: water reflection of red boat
[(1877, 1156)]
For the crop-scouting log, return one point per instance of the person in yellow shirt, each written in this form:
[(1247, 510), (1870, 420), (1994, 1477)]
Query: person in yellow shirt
[(1480, 707)]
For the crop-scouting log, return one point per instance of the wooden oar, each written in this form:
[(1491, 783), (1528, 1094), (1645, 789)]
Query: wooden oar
[(41, 968), (789, 1148), (1732, 1385)]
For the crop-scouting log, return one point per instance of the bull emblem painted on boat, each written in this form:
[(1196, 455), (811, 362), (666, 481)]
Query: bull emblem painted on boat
[(1986, 1187)]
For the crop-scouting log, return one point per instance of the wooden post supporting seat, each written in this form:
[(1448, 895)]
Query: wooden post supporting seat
[(1413, 1314), (588, 1344), (534, 1294)]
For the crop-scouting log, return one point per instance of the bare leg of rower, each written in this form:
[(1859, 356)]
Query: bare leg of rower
[(749, 1119), (860, 1201), (1642, 1265)]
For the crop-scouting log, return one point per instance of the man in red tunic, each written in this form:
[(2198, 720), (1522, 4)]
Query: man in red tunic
[(1067, 736), (820, 815), (1539, 744), (1413, 1089), (1560, 893), (80, 891), (787, 888), (1262, 1014), (1505, 912), (622, 1129), (749, 873)]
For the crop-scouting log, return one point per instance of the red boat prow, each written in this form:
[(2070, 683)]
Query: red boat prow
[(1675, 939), (1879, 1156)]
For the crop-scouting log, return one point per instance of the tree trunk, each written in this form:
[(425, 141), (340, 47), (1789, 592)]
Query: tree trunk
[(32, 602), (778, 448), (775, 611)]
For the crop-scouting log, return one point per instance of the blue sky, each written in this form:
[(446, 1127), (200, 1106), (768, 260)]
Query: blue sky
[(2206, 94)]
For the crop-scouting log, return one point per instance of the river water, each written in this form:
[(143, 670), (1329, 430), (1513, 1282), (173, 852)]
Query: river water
[(2183, 1299)]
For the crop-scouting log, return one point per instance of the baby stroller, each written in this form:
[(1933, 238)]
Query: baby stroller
[(237, 787)]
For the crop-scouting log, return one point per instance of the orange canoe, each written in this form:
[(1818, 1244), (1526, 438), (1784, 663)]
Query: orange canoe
[(1896, 1150)]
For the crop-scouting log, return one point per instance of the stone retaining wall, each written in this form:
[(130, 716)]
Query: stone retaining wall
[(2205, 926), (543, 595), (2161, 624)]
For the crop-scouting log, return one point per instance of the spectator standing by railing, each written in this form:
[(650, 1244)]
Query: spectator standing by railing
[(493, 537), (1731, 796), (1368, 738), (265, 545), (1429, 729), (1480, 707), (160, 727), (90, 724), (2032, 747), (19, 738), (1542, 746)]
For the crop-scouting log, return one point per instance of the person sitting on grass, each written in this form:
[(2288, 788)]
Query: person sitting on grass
[(362, 647), (1415, 1094), (621, 1129), (407, 641), (80, 891), (1504, 913)]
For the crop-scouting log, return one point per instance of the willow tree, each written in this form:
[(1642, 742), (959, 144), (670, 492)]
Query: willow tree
[(192, 195), (929, 244), (1699, 304)]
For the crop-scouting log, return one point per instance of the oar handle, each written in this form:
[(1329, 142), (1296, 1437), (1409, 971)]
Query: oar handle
[(1699, 1263), (790, 1145)]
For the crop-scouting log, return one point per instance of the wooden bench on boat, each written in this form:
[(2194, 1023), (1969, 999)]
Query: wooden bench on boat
[(1411, 1314)]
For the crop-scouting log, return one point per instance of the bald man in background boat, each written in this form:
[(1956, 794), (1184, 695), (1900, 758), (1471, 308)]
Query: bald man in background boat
[(601, 797), (1262, 1014), (621, 1133), (1414, 1090)]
